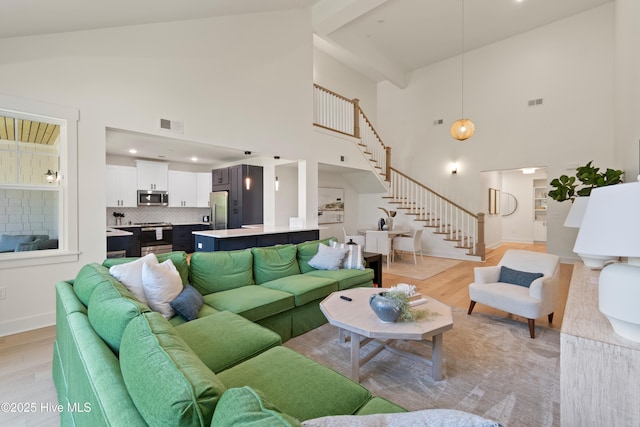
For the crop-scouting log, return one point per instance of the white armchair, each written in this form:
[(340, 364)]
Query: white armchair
[(538, 299), (411, 244)]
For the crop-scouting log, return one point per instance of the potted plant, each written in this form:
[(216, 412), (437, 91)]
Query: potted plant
[(589, 177)]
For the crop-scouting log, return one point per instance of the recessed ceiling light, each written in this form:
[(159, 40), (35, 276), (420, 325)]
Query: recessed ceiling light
[(194, 159), (133, 151)]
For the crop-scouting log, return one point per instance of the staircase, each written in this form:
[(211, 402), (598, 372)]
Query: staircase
[(443, 218)]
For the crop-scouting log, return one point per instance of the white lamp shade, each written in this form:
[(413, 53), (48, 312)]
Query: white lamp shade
[(611, 222), (576, 213)]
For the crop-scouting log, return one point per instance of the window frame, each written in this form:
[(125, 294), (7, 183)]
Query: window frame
[(67, 118)]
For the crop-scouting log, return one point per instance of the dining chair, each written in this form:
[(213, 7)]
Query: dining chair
[(378, 242), (356, 238), (411, 244)]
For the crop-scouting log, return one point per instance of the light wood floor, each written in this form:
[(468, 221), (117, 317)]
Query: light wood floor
[(451, 286), (25, 359)]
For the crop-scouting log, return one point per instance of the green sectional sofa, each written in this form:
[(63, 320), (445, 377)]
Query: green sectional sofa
[(118, 363)]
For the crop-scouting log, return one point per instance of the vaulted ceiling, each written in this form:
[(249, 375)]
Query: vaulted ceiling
[(383, 39)]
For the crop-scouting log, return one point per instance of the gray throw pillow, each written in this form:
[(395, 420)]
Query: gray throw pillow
[(516, 277), (188, 303)]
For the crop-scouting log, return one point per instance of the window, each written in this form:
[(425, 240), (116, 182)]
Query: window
[(35, 184)]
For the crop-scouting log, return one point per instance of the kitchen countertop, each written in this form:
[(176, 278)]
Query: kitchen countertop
[(253, 230), (114, 232), (172, 223)]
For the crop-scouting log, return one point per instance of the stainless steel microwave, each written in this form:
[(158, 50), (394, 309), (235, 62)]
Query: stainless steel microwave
[(153, 198)]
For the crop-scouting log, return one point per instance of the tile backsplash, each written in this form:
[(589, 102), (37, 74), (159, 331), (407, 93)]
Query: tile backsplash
[(157, 214)]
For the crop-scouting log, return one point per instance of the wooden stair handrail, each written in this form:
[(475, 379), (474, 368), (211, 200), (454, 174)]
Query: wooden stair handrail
[(434, 192)]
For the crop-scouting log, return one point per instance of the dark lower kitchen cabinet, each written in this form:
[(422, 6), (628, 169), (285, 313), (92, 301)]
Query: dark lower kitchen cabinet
[(134, 246), (246, 195), (183, 238)]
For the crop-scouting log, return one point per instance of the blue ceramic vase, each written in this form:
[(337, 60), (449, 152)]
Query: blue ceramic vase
[(387, 309)]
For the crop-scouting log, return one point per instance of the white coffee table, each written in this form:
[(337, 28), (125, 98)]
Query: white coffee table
[(359, 319)]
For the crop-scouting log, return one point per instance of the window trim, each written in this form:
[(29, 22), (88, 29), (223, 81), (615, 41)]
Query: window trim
[(68, 118)]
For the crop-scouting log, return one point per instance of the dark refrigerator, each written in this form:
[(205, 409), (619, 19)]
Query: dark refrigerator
[(219, 202)]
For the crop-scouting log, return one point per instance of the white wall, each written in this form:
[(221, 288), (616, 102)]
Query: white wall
[(627, 87), (238, 81), (568, 63), (351, 207), (337, 77)]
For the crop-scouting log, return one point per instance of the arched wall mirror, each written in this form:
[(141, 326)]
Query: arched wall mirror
[(508, 204)]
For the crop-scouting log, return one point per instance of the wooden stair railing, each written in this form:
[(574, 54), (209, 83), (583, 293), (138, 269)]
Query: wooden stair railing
[(441, 215), (343, 115), (340, 114)]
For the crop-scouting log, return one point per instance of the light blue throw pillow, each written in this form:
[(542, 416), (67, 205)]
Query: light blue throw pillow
[(328, 258), (515, 277)]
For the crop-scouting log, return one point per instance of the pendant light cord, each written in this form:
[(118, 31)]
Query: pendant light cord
[(462, 71)]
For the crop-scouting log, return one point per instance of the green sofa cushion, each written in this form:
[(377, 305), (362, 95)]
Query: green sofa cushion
[(303, 287), (179, 259), (225, 339), (297, 385), (274, 262), (205, 310), (88, 278), (167, 382), (308, 250), (244, 407), (253, 302), (379, 405), (346, 278), (221, 271), (111, 308)]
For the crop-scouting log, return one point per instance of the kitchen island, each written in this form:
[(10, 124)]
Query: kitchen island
[(118, 242), (252, 236)]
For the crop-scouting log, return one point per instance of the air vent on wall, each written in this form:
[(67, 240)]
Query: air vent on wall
[(172, 125), (534, 102)]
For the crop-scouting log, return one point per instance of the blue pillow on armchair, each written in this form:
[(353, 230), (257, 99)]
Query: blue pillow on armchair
[(515, 277)]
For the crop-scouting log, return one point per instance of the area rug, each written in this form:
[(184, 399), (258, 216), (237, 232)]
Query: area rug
[(492, 368), (427, 267)]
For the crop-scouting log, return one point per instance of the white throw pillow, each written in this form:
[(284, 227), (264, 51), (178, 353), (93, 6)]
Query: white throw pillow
[(130, 274), (426, 418), (354, 259), (162, 284), (328, 258)]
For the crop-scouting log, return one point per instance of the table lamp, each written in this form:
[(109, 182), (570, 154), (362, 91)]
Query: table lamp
[(574, 220), (611, 227)]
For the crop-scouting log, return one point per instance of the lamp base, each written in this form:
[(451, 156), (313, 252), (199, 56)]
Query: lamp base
[(619, 292), (596, 261)]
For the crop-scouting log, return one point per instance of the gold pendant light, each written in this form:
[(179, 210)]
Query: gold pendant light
[(463, 128)]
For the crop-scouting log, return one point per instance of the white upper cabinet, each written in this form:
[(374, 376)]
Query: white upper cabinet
[(152, 175), (204, 189), (182, 189), (121, 186)]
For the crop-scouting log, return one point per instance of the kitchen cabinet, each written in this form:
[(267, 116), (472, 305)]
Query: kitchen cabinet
[(245, 195), (134, 242), (183, 237), (121, 189), (203, 187), (152, 175), (182, 189), (220, 179)]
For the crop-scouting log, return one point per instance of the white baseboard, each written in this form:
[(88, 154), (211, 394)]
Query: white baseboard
[(27, 324)]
